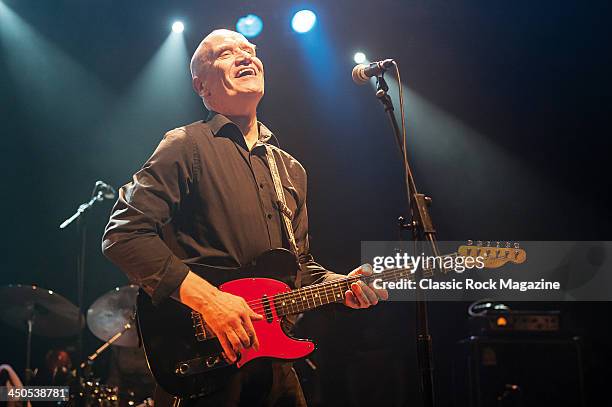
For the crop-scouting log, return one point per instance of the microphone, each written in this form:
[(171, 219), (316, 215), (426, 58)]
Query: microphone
[(363, 72), (107, 191)]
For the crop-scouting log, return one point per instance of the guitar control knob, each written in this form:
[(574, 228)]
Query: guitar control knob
[(212, 361), (183, 368)]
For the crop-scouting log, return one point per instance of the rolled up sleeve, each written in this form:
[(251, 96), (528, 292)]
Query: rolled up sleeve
[(132, 239)]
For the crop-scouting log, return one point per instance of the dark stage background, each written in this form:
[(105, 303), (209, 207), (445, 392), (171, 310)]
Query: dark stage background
[(508, 109)]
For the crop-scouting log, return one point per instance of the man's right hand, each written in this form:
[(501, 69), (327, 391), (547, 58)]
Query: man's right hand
[(228, 315)]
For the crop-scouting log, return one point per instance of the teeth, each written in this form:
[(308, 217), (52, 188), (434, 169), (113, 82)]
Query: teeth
[(243, 72)]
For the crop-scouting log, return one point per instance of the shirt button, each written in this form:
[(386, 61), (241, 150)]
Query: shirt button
[(269, 216)]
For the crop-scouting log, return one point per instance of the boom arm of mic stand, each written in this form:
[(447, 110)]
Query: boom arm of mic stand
[(82, 209), (420, 223), (91, 358)]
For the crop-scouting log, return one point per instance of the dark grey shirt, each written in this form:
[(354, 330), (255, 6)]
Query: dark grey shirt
[(203, 197)]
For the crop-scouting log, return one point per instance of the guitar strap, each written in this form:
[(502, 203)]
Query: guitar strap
[(281, 203)]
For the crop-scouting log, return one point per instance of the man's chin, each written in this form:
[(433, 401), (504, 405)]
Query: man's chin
[(241, 102), (249, 90), (249, 94)]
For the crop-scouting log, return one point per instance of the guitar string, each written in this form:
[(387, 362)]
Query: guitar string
[(324, 289), (388, 275), (329, 288), (328, 284), (293, 308)]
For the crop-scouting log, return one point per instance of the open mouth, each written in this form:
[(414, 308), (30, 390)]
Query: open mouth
[(245, 72)]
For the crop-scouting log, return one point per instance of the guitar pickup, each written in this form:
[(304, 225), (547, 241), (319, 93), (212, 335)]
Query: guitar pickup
[(267, 310)]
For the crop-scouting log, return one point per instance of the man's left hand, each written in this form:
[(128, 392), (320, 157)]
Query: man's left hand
[(361, 295)]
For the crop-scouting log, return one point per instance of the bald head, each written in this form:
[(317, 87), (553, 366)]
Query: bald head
[(203, 55), (226, 72)]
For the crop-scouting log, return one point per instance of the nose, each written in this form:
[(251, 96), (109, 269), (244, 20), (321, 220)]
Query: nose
[(243, 58)]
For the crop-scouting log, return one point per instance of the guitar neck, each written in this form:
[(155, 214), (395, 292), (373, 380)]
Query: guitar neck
[(316, 295)]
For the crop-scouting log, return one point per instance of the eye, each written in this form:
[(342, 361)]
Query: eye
[(249, 51), (225, 54)]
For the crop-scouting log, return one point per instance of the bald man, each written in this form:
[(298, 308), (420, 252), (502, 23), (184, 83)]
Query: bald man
[(206, 196)]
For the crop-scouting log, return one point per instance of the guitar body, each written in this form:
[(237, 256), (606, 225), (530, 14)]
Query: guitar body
[(185, 360)]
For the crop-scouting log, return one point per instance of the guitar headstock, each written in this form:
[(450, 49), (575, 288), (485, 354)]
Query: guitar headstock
[(495, 254)]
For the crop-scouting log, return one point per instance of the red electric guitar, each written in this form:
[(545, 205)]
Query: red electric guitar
[(184, 355)]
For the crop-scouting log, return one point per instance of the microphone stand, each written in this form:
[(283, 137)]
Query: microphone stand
[(97, 195), (421, 226), (91, 358)]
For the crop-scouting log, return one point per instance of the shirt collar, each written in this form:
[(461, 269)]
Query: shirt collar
[(216, 122)]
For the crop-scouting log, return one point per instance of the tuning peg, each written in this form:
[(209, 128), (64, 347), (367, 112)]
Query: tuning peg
[(405, 224), (497, 244), (516, 245), (479, 243), (488, 243), (470, 242), (507, 245)]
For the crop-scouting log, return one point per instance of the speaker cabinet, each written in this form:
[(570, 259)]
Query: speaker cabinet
[(518, 372)]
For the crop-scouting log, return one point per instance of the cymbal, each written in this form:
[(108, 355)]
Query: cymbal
[(52, 314), (109, 314)]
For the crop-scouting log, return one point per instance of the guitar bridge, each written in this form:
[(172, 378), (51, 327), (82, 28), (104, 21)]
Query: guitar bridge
[(202, 333)]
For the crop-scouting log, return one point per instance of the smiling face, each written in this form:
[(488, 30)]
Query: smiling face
[(227, 74)]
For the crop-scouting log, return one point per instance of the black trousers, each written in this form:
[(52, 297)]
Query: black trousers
[(259, 383)]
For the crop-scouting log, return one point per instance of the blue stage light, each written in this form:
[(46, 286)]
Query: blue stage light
[(303, 21), (250, 25)]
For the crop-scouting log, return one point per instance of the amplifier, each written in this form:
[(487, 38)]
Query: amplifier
[(496, 322)]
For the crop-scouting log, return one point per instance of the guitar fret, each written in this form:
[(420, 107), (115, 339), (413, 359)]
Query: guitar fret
[(280, 307), (294, 307), (311, 295), (305, 299), (295, 301), (292, 302), (337, 295)]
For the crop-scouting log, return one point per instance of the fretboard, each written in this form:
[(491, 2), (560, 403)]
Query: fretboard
[(316, 295)]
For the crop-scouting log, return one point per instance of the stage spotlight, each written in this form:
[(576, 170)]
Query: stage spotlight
[(303, 21), (250, 25), (359, 57), (178, 27)]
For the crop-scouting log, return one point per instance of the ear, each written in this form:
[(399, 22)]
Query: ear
[(198, 86)]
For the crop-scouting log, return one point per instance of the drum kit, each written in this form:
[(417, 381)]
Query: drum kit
[(46, 313)]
